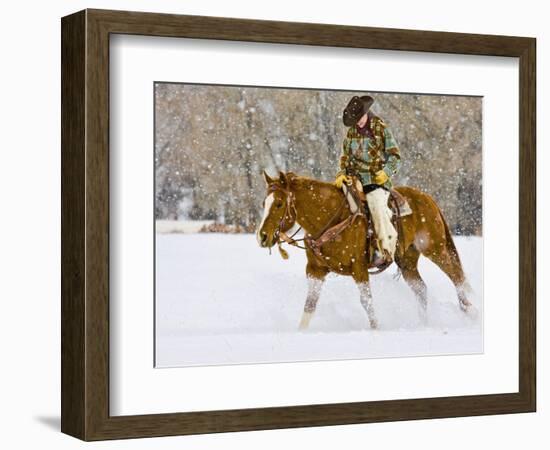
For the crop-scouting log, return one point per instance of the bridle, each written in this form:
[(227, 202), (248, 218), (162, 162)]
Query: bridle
[(327, 234), (290, 207)]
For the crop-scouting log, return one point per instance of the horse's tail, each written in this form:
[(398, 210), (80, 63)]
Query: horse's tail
[(451, 248)]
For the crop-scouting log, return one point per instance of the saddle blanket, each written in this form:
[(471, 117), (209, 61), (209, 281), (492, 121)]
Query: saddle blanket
[(402, 203)]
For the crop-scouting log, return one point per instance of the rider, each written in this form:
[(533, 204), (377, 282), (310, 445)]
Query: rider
[(370, 153)]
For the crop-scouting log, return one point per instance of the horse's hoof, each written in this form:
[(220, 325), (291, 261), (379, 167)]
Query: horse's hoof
[(464, 305), (374, 324), (470, 310), (423, 316), (304, 323)]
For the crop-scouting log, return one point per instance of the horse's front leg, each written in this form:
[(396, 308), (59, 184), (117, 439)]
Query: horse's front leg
[(313, 292), (365, 294), (315, 279), (360, 273)]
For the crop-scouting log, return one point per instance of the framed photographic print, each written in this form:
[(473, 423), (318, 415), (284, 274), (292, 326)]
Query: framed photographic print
[(271, 224)]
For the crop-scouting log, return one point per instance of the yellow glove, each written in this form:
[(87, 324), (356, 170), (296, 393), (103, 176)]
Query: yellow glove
[(380, 177), (343, 161), (341, 179)]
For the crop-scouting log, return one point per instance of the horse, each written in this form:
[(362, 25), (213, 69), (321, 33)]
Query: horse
[(317, 206)]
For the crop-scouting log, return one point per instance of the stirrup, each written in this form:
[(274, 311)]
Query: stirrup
[(378, 259)]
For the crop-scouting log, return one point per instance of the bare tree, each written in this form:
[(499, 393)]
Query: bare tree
[(212, 142)]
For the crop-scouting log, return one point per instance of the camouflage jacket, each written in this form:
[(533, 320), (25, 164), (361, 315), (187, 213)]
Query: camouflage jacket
[(367, 152)]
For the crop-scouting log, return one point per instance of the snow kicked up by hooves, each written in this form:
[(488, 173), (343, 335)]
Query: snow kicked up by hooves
[(220, 299)]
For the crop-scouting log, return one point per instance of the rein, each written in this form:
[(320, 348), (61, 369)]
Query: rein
[(281, 235), (329, 231), (327, 234)]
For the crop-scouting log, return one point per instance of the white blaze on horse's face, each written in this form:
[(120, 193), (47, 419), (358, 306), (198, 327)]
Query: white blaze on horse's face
[(267, 208)]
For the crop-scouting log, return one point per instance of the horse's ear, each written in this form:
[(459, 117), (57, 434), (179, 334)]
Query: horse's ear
[(267, 178), (282, 178)]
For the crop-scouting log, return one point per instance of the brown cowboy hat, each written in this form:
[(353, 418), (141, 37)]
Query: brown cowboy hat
[(357, 107)]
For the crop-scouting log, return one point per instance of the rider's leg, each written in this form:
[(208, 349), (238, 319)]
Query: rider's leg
[(386, 234)]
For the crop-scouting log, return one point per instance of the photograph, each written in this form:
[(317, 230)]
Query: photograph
[(297, 224), (269, 226)]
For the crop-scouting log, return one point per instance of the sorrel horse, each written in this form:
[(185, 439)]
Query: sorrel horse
[(316, 206)]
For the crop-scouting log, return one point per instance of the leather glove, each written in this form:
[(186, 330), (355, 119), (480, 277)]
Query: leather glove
[(341, 179), (380, 177), (343, 161)]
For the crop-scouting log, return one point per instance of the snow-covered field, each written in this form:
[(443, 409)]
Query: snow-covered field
[(180, 226), (220, 299)]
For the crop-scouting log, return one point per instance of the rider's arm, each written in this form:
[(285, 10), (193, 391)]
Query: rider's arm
[(393, 157), (346, 152)]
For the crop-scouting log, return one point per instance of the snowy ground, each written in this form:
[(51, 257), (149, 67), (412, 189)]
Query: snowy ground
[(220, 299), (180, 226)]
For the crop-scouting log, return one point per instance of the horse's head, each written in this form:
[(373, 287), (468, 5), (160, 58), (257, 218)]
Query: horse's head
[(279, 210)]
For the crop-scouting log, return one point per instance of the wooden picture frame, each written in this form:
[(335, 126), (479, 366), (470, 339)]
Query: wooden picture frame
[(85, 224)]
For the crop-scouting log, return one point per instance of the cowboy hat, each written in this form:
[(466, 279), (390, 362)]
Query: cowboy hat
[(356, 108)]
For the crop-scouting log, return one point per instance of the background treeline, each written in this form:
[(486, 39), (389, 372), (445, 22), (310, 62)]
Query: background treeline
[(212, 143)]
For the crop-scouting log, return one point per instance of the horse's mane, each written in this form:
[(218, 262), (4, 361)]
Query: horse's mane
[(302, 180)]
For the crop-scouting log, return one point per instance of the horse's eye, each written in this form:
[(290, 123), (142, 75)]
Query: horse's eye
[(278, 205)]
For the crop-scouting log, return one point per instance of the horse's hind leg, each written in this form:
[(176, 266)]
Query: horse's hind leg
[(450, 264), (315, 278), (408, 263)]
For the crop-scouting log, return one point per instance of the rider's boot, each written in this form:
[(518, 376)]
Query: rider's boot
[(377, 258)]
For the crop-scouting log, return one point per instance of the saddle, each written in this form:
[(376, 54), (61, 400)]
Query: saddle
[(358, 204), (401, 202), (357, 199)]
